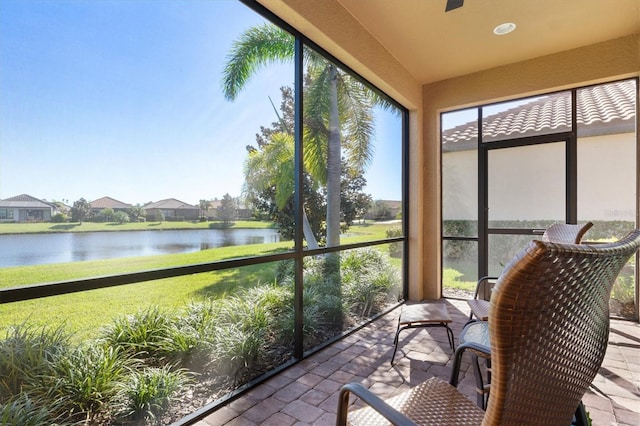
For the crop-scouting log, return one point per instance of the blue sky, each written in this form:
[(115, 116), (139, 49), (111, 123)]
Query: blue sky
[(123, 98)]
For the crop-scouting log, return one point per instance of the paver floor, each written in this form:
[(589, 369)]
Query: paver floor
[(307, 393)]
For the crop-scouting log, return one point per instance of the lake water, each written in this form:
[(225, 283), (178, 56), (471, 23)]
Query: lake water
[(35, 249)]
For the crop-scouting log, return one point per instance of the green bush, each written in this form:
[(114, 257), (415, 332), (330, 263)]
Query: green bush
[(145, 335), (26, 353), (59, 218), (146, 394), (395, 249), (23, 411), (369, 282), (121, 217), (132, 372), (85, 383)]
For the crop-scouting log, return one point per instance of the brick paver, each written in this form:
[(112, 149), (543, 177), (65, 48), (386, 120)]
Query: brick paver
[(307, 393)]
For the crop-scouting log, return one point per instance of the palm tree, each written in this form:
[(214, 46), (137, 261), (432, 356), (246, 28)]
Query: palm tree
[(337, 107)]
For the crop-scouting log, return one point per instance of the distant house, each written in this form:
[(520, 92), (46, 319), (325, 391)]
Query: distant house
[(25, 208), (108, 203), (384, 210), (242, 211), (171, 209)]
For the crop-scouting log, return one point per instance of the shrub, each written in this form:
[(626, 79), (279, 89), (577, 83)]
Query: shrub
[(24, 412), (238, 353), (359, 286), (147, 393), (121, 217), (86, 382), (59, 218), (369, 282), (26, 353), (395, 249), (144, 335)]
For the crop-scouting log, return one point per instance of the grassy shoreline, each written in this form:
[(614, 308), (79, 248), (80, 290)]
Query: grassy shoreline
[(85, 312), (48, 227)]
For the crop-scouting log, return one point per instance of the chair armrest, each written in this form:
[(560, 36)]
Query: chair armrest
[(479, 283), (388, 412), (457, 358)]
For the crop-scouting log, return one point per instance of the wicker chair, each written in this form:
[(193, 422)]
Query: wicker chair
[(479, 308), (556, 233), (549, 327)]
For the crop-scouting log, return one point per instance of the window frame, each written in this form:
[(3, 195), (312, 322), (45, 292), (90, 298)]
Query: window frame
[(297, 254)]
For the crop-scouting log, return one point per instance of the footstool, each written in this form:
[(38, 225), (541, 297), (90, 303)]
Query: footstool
[(423, 314)]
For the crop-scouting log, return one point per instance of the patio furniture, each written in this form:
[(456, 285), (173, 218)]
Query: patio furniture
[(556, 233), (479, 307), (421, 315), (549, 328), (475, 338)]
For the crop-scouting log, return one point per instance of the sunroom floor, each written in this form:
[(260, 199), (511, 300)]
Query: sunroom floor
[(307, 393)]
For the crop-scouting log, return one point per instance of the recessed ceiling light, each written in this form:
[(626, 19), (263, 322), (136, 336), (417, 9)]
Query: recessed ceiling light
[(505, 28)]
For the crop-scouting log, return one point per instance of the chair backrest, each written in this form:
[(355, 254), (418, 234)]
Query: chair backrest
[(566, 233), (556, 233), (549, 327)]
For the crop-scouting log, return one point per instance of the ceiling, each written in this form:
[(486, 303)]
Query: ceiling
[(435, 45)]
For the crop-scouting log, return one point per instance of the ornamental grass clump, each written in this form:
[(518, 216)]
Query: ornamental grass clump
[(22, 410), (369, 282), (85, 383), (249, 336), (144, 335), (26, 353), (146, 394)]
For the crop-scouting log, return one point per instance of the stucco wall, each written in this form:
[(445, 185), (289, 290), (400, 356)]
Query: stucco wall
[(526, 188)]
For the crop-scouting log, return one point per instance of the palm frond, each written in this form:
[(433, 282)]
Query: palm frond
[(316, 117), (256, 47), (272, 167), (356, 105)]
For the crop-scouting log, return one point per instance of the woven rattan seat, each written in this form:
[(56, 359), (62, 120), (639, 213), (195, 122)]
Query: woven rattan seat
[(479, 308), (548, 327), (423, 314), (446, 406)]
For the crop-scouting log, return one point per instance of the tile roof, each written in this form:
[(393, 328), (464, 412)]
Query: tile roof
[(108, 203), (603, 109), (25, 201), (169, 203)]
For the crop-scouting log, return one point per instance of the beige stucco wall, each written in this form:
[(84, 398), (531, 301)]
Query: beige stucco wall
[(606, 166), (330, 26), (526, 187)]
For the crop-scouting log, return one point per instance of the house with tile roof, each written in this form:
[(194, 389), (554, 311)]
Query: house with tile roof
[(108, 203), (25, 208), (171, 209), (606, 135)]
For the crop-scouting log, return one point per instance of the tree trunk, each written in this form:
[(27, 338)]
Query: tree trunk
[(312, 243), (333, 164)]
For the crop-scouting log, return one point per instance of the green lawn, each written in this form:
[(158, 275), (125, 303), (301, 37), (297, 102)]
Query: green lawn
[(84, 313), (39, 228)]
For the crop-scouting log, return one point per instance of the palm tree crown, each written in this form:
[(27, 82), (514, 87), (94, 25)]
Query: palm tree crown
[(338, 118)]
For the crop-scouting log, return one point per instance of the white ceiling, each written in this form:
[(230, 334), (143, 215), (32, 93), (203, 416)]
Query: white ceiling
[(435, 45)]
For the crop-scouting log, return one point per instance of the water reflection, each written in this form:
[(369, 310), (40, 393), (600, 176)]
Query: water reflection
[(35, 249)]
